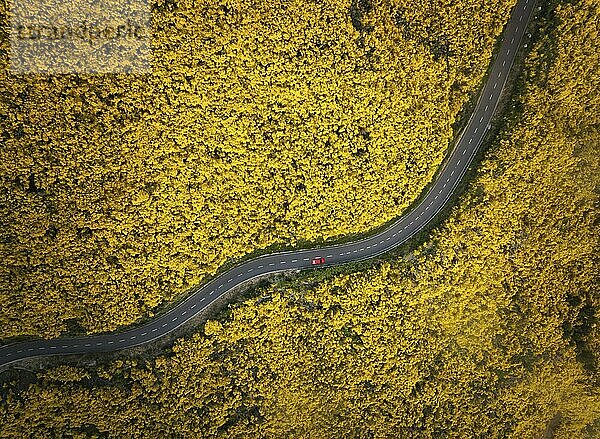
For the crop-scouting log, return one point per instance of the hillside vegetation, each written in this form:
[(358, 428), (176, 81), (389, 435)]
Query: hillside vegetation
[(262, 123), (490, 329)]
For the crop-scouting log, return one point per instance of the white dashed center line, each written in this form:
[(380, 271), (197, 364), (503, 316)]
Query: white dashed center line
[(361, 249)]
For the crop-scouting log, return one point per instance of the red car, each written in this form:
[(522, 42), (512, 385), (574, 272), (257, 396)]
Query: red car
[(318, 260)]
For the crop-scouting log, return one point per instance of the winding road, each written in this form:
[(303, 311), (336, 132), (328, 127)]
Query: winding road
[(407, 226)]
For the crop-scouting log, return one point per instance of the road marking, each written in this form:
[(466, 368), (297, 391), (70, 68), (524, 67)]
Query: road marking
[(163, 325), (436, 197), (445, 184), (41, 348), (250, 270), (211, 293), (495, 85), (448, 179), (329, 256), (133, 337), (19, 351), (271, 264), (174, 319), (411, 223), (481, 119), (241, 274), (491, 96), (470, 140), (503, 63), (305, 259), (203, 299), (394, 235), (476, 129)]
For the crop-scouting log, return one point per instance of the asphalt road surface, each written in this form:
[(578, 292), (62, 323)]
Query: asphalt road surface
[(402, 230)]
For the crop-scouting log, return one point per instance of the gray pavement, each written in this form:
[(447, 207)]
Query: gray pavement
[(398, 233)]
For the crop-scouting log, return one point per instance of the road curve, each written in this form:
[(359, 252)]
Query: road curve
[(398, 233)]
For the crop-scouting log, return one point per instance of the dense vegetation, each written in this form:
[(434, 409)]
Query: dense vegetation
[(487, 330), (262, 123)]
